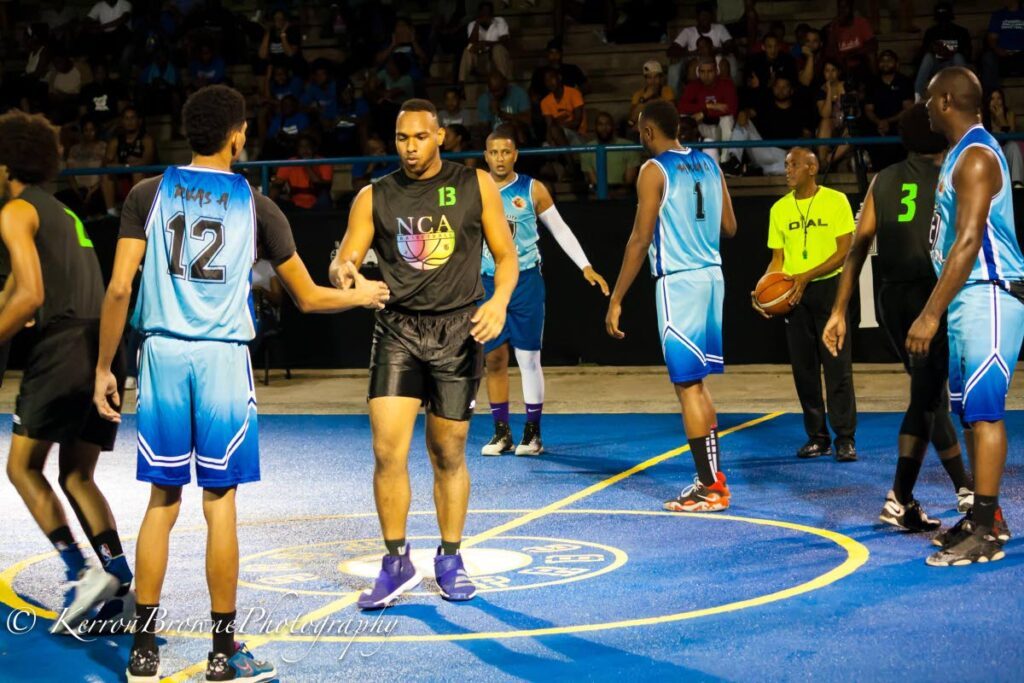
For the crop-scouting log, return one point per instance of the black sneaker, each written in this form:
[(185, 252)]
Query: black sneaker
[(846, 452), (531, 443), (965, 527), (143, 666), (979, 546), (909, 516), (501, 442), (815, 448)]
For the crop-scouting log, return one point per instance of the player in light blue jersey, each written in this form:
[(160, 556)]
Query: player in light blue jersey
[(525, 200), (684, 208), (981, 282), (196, 228)]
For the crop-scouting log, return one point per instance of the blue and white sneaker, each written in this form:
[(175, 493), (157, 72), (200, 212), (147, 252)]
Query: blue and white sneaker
[(452, 578), (397, 575), (241, 666), (92, 587)]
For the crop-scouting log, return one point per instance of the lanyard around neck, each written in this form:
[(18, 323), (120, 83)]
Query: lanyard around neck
[(803, 217)]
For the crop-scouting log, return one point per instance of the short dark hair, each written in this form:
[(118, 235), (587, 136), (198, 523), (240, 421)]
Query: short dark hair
[(210, 115), (917, 134), (504, 132), (461, 131), (419, 104), (664, 116), (455, 89), (29, 147), (555, 44)]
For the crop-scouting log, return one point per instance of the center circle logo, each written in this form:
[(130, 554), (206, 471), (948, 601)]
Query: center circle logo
[(504, 563), (427, 250)]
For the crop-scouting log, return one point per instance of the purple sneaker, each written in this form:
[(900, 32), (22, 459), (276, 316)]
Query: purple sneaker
[(397, 575), (452, 578)]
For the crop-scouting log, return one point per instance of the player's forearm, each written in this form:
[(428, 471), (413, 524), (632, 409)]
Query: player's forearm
[(113, 316), (851, 271), (506, 274), (21, 307), (329, 300), (632, 262)]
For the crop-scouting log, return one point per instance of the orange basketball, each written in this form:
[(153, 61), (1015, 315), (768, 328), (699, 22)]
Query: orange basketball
[(772, 294)]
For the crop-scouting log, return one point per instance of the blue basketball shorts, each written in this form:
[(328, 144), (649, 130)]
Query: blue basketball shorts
[(524, 321), (197, 402), (690, 323), (986, 330)]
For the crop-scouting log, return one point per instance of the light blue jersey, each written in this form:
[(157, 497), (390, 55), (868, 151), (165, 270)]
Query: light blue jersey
[(517, 198), (688, 231), (200, 247), (999, 259)]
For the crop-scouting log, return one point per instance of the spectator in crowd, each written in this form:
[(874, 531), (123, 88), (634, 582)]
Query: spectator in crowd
[(404, 41), (851, 42), (102, 100), (811, 62), (488, 45), (778, 118), (454, 110), (282, 44), (457, 139), (350, 129), (796, 50), (62, 20), (564, 117), (572, 75), (684, 47), (689, 132), (836, 107), (111, 32), (945, 44), (639, 21), (283, 82), (366, 172), (765, 66), (622, 167), (711, 101), (84, 195), (207, 68), (65, 85), (308, 187), (394, 83), (33, 85), (503, 102), (159, 87), (219, 26), (997, 118), (706, 50), (1005, 43), (741, 19), (448, 32), (654, 89), (132, 146), (284, 130), (889, 95), (320, 98)]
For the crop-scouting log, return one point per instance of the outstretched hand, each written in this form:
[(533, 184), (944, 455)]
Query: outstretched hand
[(595, 280)]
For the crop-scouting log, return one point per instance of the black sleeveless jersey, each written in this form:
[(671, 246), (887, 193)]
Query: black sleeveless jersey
[(129, 150), (428, 237), (72, 281), (904, 196)]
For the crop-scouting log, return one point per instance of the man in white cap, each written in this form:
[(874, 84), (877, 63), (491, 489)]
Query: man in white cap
[(654, 88)]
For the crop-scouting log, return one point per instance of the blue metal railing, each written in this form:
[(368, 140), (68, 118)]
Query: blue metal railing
[(600, 153)]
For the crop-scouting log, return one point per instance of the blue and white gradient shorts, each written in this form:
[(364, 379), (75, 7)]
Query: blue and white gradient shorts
[(690, 322), (196, 398)]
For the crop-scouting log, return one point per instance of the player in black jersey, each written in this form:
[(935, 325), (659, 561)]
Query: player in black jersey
[(55, 285), (898, 211), (426, 222)]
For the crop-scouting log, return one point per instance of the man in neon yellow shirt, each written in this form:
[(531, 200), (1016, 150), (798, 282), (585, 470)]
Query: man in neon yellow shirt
[(809, 233)]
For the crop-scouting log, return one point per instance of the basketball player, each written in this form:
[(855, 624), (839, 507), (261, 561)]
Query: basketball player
[(525, 200), (55, 285), (898, 209), (684, 208), (981, 282), (198, 228), (427, 223)]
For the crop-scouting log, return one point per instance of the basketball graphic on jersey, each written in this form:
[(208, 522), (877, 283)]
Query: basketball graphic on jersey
[(424, 242), (519, 202)]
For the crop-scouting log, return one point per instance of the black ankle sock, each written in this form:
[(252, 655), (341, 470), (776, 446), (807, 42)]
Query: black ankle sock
[(223, 632), (450, 548), (395, 547), (957, 473), (145, 628), (907, 470), (702, 460), (107, 544), (985, 510), (61, 536)]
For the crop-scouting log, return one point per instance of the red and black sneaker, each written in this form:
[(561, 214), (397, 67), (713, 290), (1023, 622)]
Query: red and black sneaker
[(700, 498)]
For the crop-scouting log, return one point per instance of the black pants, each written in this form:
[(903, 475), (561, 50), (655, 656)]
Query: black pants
[(808, 355)]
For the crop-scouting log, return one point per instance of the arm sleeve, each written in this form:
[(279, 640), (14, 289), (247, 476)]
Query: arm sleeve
[(273, 231), (135, 211), (564, 236)]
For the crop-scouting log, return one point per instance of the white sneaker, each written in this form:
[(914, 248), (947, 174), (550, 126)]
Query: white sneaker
[(92, 587), (531, 443)]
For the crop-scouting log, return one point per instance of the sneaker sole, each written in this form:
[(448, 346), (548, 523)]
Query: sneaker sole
[(264, 677), (812, 456), (449, 598), (892, 521), (73, 615), (529, 452), (486, 452), (964, 563), (394, 595), (142, 679)]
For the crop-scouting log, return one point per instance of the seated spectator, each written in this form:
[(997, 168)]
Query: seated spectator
[(572, 75), (622, 167), (284, 130), (111, 33), (454, 110), (320, 98), (65, 84), (654, 89), (779, 117), (218, 25), (62, 21), (102, 100), (457, 139), (945, 44), (706, 50), (84, 196), (307, 187), (282, 83), (852, 42), (564, 117), (160, 90), (350, 127), (132, 146), (712, 103), (208, 68), (404, 41), (366, 172), (488, 45), (684, 48), (888, 96), (811, 62), (503, 102), (689, 132), (997, 119), (837, 106), (765, 66), (1005, 42), (394, 82)]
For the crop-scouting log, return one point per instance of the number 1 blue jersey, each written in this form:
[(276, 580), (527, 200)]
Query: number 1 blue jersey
[(200, 247), (689, 227)]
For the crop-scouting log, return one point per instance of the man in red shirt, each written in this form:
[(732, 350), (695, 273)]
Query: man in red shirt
[(852, 42), (711, 102), (309, 187)]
